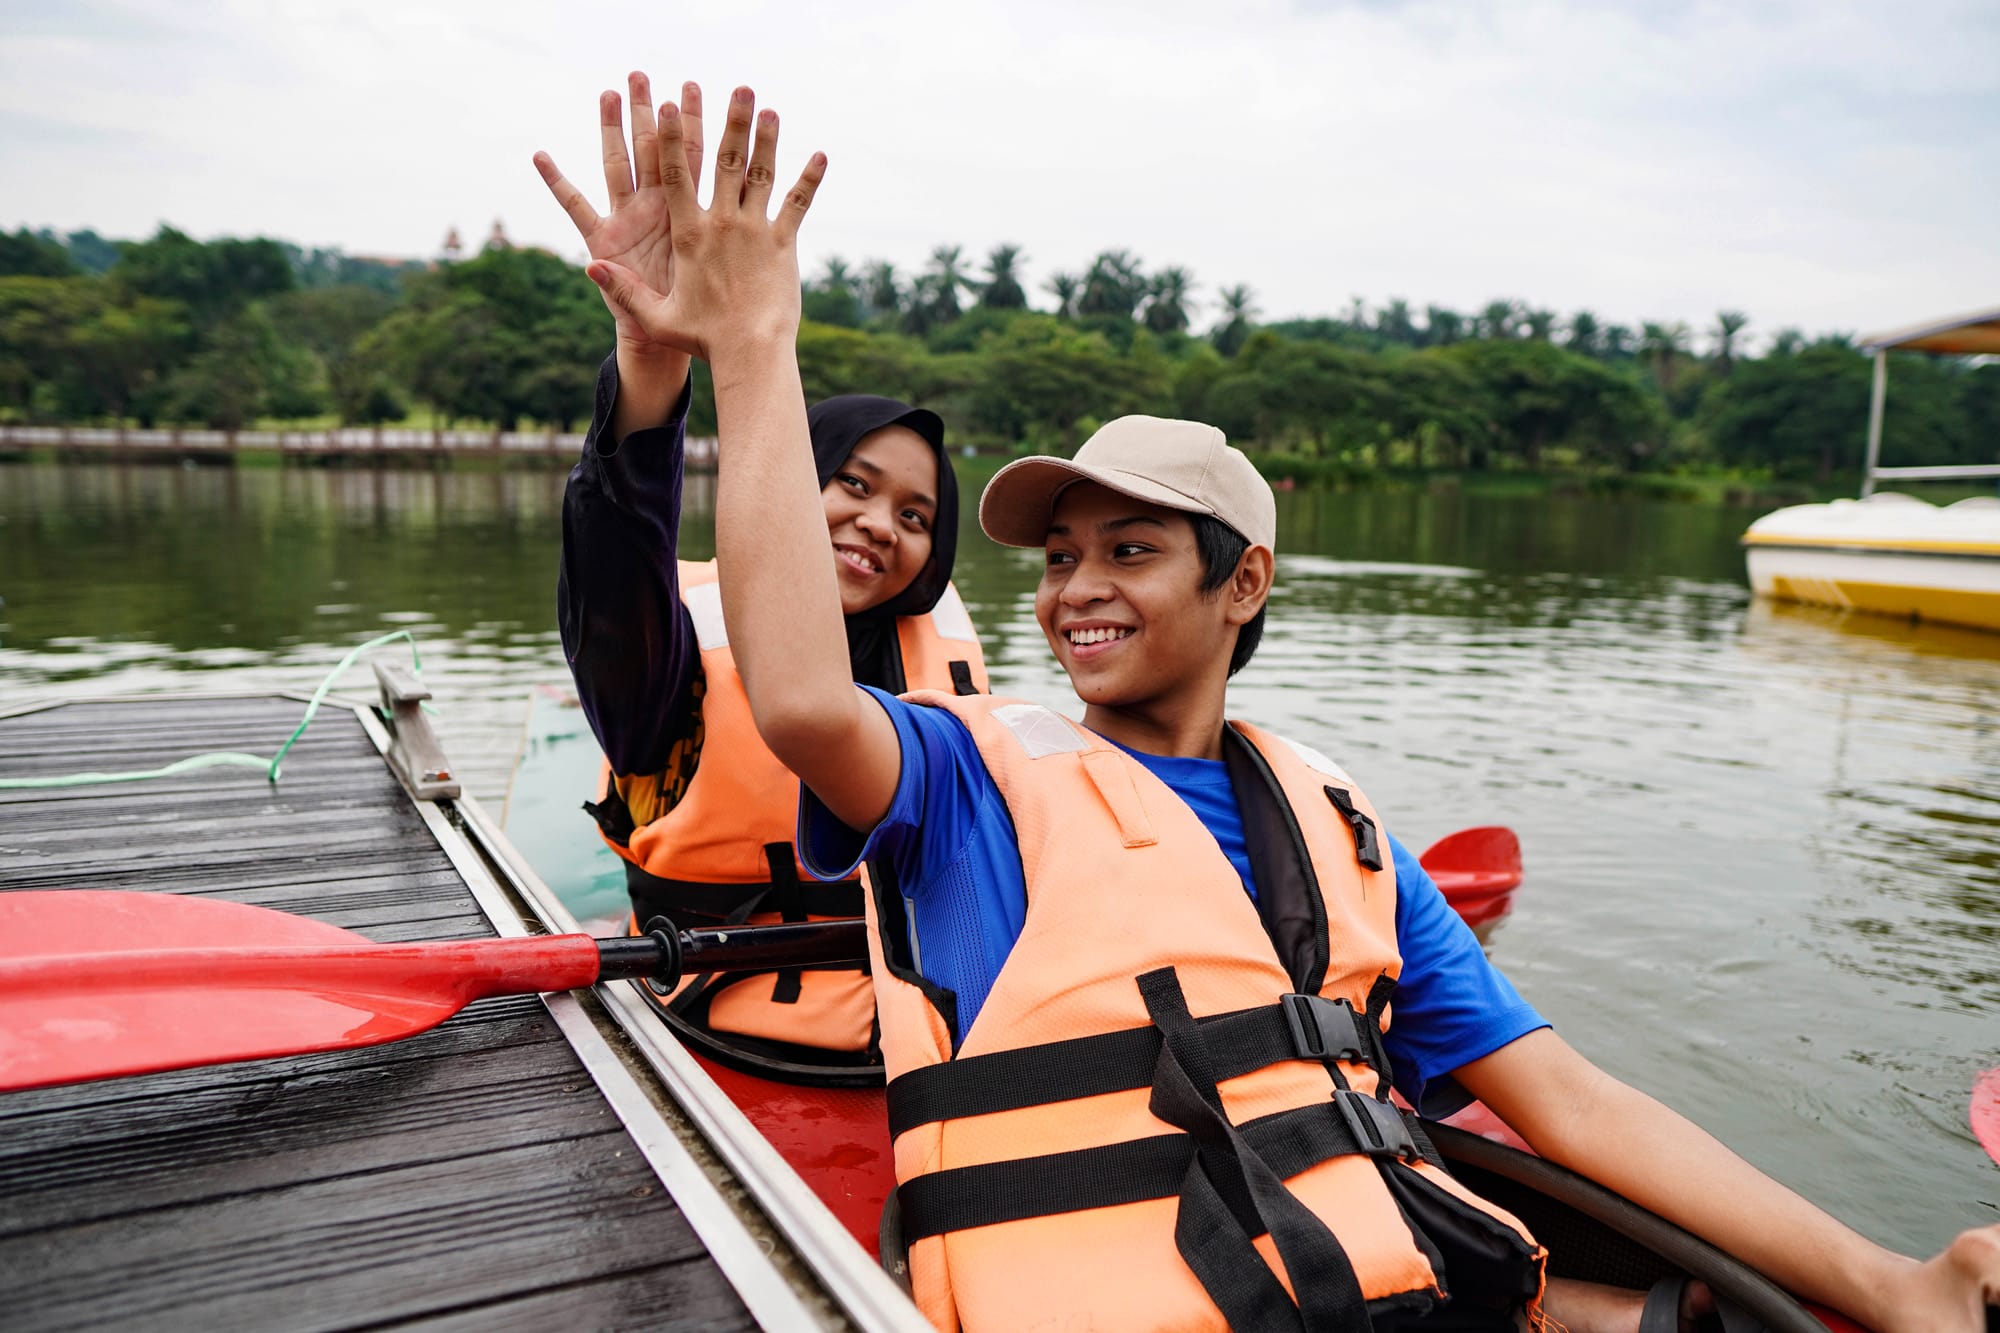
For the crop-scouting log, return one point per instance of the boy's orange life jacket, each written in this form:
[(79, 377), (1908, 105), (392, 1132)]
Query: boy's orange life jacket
[(723, 854), (1172, 1110)]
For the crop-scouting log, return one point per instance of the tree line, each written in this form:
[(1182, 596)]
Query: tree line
[(227, 332)]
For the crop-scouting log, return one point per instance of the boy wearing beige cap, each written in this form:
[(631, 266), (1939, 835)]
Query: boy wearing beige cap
[(1134, 975)]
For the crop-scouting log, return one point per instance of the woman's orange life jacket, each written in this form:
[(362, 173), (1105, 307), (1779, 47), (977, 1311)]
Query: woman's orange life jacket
[(724, 855), (1172, 1110)]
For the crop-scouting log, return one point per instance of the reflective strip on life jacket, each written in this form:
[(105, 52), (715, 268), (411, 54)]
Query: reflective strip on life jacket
[(723, 854), (1167, 1111)]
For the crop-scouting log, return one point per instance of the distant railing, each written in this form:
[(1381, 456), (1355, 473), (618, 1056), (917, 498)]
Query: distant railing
[(339, 442)]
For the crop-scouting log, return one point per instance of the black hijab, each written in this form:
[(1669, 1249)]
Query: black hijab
[(838, 424)]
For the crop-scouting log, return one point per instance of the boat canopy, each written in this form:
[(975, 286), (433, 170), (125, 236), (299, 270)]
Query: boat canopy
[(1963, 335)]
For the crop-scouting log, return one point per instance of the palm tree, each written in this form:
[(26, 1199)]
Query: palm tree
[(1064, 287), (1357, 314), (1167, 300), (1728, 323), (1541, 323), (832, 300), (1395, 324), (1617, 342), (922, 312), (1663, 345), (882, 290), (1442, 327), (1584, 333), (1112, 285), (1003, 285), (1787, 342), (947, 278), (1239, 307), (1497, 319)]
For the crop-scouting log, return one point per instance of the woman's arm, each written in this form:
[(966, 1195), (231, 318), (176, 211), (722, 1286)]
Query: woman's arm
[(638, 235), (1574, 1113), (735, 303), (628, 639)]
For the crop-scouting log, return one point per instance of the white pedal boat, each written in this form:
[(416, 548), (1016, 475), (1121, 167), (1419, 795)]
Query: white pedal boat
[(1889, 553)]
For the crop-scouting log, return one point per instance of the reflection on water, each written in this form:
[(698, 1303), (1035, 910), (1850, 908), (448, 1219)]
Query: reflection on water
[(1763, 843)]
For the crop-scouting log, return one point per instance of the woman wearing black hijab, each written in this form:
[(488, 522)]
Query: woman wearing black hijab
[(701, 811)]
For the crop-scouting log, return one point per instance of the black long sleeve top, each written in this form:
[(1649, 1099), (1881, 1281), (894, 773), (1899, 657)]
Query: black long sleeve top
[(628, 638)]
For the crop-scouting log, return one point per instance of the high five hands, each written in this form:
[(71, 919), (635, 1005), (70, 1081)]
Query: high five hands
[(701, 281), (637, 234)]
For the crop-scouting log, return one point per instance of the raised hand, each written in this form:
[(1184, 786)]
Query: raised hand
[(735, 280), (637, 233)]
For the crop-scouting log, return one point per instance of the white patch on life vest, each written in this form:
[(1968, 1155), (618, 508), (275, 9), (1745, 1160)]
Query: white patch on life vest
[(1318, 762), (950, 619), (704, 604), (1040, 732)]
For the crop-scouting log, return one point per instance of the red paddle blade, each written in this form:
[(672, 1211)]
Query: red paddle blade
[(1477, 869), (1986, 1112), (98, 984)]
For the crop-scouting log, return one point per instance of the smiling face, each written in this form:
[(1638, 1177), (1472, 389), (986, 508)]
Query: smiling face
[(1121, 604), (881, 505)]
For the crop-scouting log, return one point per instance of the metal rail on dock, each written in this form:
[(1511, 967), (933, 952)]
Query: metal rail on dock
[(684, 1115)]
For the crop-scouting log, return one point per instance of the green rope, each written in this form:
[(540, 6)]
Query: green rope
[(313, 706), (224, 759)]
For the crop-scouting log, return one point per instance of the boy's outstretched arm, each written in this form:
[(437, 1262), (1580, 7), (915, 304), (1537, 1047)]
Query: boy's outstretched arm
[(735, 303), (1574, 1113)]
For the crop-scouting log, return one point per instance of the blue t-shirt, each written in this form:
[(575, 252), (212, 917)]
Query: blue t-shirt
[(949, 836)]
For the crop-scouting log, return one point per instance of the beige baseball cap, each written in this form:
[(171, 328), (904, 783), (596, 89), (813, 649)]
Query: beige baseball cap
[(1183, 465)]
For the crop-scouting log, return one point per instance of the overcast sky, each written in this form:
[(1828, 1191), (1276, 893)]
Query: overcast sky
[(1825, 164)]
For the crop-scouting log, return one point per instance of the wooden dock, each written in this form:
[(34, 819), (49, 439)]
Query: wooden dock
[(525, 1165), (372, 445)]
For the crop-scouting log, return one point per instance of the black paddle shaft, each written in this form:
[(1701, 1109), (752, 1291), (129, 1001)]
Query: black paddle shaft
[(663, 955)]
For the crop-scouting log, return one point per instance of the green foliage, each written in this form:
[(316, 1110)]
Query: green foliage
[(1789, 413), (213, 280), (511, 334), (24, 254), (230, 331), (1538, 395), (86, 249), (39, 319)]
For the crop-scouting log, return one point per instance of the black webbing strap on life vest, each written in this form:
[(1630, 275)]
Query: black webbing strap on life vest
[(961, 677), (785, 885), (1367, 842), (693, 902), (960, 1198), (1213, 1230), (1297, 1027), (1228, 1178)]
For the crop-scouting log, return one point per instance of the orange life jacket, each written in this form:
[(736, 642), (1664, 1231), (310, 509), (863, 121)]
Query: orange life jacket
[(1172, 1110), (724, 855)]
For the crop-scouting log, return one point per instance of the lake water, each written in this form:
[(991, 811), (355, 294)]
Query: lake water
[(1763, 844)]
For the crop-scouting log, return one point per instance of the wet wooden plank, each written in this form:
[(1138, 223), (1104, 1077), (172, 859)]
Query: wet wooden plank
[(471, 1176), (357, 1250)]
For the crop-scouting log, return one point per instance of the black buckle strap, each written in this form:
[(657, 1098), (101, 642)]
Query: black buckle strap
[(1367, 842), (1378, 1127), (1324, 1029), (961, 1198), (961, 677), (1240, 1042)]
